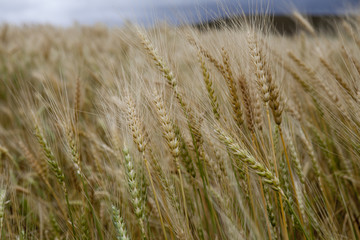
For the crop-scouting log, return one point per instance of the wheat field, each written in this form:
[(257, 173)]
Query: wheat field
[(180, 133)]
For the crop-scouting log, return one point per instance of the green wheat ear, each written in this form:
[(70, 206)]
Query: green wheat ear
[(121, 233), (50, 157), (245, 157), (135, 191)]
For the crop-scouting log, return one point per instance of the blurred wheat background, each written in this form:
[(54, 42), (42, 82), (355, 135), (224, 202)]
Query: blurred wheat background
[(180, 133)]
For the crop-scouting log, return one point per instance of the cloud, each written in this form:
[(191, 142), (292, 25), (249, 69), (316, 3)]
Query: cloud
[(113, 12), (65, 12)]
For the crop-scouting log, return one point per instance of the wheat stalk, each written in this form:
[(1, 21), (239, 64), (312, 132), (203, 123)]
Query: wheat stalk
[(2, 208)]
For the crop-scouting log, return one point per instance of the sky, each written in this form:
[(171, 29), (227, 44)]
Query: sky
[(115, 12)]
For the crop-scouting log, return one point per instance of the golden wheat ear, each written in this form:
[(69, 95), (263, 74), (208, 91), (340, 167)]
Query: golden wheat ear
[(210, 89), (304, 22), (234, 99), (247, 100)]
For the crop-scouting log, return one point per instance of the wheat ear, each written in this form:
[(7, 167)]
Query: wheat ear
[(207, 54), (337, 77), (234, 99), (172, 142), (262, 78), (245, 157), (55, 168), (121, 233), (42, 172), (247, 103), (209, 88), (304, 22), (135, 191), (194, 127), (333, 96), (140, 139)]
